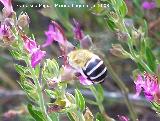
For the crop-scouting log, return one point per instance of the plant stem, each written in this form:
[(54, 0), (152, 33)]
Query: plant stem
[(100, 105), (124, 90), (130, 45), (40, 95)]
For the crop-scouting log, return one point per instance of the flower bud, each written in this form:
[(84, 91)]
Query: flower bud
[(23, 20), (122, 36), (137, 34), (52, 83), (86, 42), (117, 50), (54, 108)]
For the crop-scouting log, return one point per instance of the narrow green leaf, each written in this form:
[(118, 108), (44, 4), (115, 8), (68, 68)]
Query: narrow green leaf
[(37, 115), (140, 67), (20, 69), (70, 116), (123, 9), (143, 47), (54, 116), (100, 92), (111, 25), (50, 93), (79, 100), (151, 60), (15, 54), (145, 28)]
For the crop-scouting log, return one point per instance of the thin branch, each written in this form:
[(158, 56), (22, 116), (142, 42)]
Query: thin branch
[(124, 90)]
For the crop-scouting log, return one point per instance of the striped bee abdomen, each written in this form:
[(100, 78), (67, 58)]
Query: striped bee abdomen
[(95, 70)]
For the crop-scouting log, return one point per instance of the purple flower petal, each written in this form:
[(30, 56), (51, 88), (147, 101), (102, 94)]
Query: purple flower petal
[(78, 33), (54, 33), (4, 31), (148, 5), (29, 44), (36, 57), (7, 5), (84, 81), (148, 96), (149, 83), (123, 118), (139, 84)]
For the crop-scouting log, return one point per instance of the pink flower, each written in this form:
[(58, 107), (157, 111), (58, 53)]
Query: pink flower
[(149, 84), (36, 57), (7, 5), (149, 5), (78, 33), (123, 118), (4, 31), (54, 33), (36, 54), (29, 44), (83, 78)]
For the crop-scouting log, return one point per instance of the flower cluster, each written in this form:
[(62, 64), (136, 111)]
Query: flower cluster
[(149, 84), (56, 33), (36, 54)]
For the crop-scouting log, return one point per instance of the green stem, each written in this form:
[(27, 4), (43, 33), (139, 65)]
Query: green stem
[(80, 116), (130, 45), (100, 105), (40, 95), (124, 90)]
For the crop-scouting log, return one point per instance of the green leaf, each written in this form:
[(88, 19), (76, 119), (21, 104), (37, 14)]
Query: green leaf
[(50, 93), (37, 115), (100, 92), (145, 28), (15, 54), (140, 67), (70, 116), (50, 69), (80, 102), (151, 60), (143, 47), (111, 25), (54, 116), (123, 9), (20, 69), (100, 117), (91, 102), (156, 107)]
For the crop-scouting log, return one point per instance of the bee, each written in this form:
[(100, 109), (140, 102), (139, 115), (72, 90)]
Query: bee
[(89, 63)]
